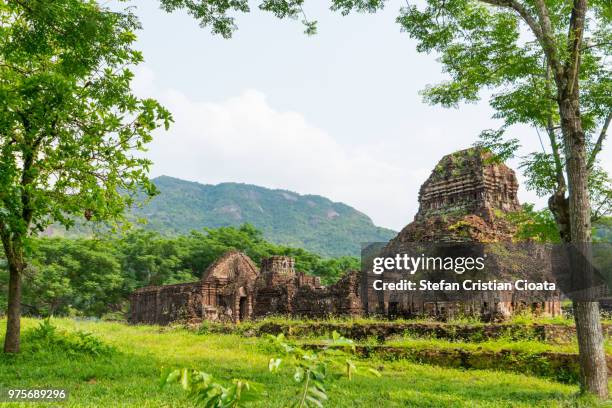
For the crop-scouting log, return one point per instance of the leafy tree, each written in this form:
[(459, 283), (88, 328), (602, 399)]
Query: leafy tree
[(545, 62), (147, 258), (81, 274), (69, 124), (538, 225), (204, 247), (65, 275)]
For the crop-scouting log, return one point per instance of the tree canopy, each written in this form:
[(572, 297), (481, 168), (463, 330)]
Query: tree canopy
[(69, 122), (70, 126)]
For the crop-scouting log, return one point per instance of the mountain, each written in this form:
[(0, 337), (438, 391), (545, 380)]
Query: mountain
[(311, 222)]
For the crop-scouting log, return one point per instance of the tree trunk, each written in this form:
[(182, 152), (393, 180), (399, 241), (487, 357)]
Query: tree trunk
[(13, 323), (558, 205), (590, 345), (586, 311)]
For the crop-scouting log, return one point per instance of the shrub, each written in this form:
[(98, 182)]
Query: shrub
[(312, 369), (48, 338), (206, 392)]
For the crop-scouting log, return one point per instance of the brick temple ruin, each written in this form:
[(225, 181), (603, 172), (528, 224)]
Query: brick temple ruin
[(234, 289), (464, 201), (460, 202)]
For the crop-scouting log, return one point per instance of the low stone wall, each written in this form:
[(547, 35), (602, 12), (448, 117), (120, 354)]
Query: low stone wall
[(457, 332), (563, 367)]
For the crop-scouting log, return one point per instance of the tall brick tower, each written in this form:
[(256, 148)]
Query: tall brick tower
[(468, 182), (464, 199)]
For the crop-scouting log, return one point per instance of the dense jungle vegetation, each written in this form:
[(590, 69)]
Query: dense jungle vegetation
[(94, 276)]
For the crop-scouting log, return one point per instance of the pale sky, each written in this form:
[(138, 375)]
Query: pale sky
[(338, 114)]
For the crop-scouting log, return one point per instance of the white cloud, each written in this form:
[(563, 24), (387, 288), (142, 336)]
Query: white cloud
[(244, 139)]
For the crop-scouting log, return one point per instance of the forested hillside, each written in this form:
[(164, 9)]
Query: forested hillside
[(303, 221)]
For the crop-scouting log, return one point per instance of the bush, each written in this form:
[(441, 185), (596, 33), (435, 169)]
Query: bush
[(48, 338), (206, 392)]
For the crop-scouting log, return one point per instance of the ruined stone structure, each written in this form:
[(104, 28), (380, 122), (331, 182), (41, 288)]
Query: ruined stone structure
[(165, 304), (464, 201), (233, 289), (225, 293), (461, 201), (468, 181), (282, 290), (340, 299)]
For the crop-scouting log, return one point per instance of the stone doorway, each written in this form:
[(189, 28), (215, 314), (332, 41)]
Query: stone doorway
[(393, 308), (242, 308)]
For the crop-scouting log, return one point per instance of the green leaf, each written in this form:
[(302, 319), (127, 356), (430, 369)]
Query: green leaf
[(274, 364), (185, 379), (317, 393), (172, 376), (298, 375), (314, 401), (375, 372)]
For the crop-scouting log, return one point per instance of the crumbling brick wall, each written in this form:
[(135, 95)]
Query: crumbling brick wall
[(339, 299), (346, 295), (165, 304), (275, 287), (225, 293)]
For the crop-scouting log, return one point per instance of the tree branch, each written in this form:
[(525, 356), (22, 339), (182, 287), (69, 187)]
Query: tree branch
[(586, 47), (5, 236), (22, 4), (597, 213), (561, 186), (548, 39), (550, 130), (523, 12), (574, 38)]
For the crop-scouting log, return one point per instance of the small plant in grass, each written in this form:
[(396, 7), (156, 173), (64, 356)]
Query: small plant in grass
[(204, 391), (372, 341), (312, 369), (526, 316), (48, 338), (465, 319)]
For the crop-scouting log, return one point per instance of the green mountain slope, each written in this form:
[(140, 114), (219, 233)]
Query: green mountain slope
[(306, 221)]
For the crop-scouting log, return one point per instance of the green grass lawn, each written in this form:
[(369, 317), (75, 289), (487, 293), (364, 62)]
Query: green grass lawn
[(130, 376)]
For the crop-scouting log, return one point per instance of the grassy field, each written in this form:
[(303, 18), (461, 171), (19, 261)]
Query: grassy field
[(129, 376), (524, 346)]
